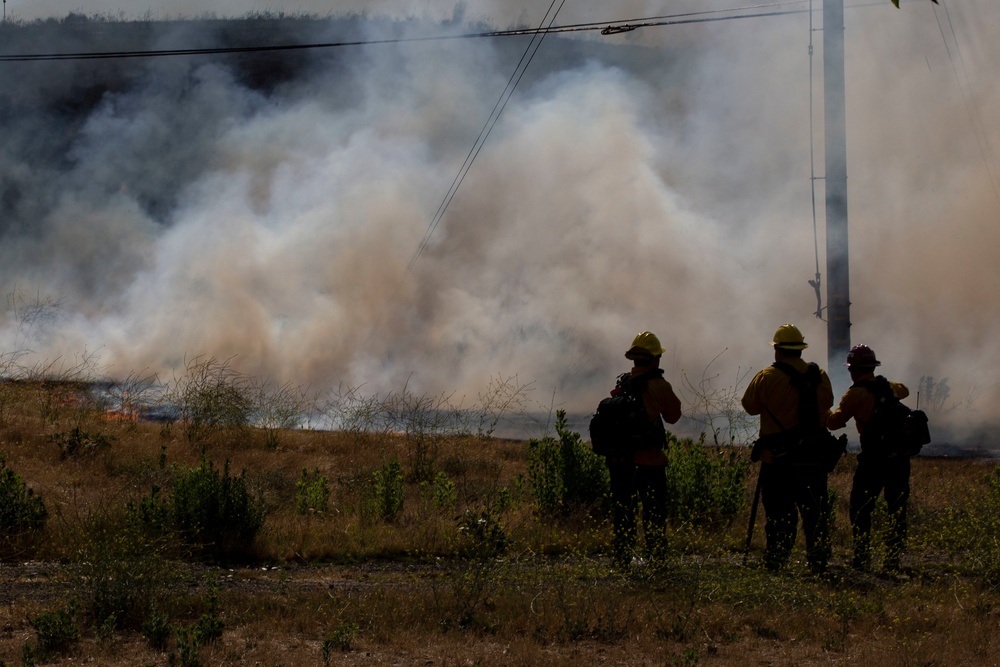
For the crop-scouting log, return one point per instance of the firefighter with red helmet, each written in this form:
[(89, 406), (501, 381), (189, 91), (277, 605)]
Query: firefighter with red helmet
[(641, 476), (791, 482), (879, 471)]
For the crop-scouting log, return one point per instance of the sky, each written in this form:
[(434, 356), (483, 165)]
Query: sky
[(668, 191)]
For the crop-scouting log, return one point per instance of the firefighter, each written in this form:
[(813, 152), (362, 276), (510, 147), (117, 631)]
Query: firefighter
[(878, 471), (791, 482), (641, 477)]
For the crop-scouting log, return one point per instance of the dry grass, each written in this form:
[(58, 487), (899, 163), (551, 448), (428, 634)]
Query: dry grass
[(334, 587)]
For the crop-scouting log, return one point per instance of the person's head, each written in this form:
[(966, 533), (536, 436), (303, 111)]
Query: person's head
[(788, 342), (861, 361), (645, 350)]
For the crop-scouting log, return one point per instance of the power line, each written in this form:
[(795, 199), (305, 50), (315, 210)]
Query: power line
[(606, 27), (971, 108), (501, 104)]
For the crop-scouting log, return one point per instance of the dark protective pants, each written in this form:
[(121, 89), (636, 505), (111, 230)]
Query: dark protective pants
[(874, 476), (786, 492), (632, 484)]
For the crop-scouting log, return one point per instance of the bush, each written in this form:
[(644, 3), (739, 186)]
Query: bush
[(982, 526), (212, 396), (704, 483), (482, 534), (341, 639), (56, 631), (312, 493), (384, 497), (208, 509), (121, 577), (445, 493), (565, 473), (20, 509), (208, 628)]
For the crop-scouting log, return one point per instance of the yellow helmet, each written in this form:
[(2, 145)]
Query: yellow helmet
[(645, 344), (789, 337)]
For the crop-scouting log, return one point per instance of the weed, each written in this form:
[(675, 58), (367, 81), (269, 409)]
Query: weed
[(384, 496), (465, 599), (20, 509), (502, 397), (208, 628), (565, 473), (312, 493), (212, 510), (704, 484), (341, 639), (719, 409), (77, 442), (156, 629), (27, 655), (277, 408), (934, 392), (121, 576), (482, 534), (445, 494), (211, 396), (56, 632), (688, 658)]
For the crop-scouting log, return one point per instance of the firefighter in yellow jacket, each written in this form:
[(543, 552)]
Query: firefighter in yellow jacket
[(641, 476), (878, 471), (790, 484)]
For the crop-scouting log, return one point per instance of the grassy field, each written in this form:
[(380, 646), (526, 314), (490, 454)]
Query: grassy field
[(207, 542)]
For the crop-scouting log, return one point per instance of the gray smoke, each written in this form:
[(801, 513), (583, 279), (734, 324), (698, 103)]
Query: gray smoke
[(652, 180)]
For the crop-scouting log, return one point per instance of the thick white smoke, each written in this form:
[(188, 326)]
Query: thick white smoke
[(662, 184)]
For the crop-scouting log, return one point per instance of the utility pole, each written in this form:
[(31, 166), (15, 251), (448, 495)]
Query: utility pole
[(838, 308)]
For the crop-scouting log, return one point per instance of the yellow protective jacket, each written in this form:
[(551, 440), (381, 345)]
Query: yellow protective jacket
[(859, 403), (771, 395), (660, 401)]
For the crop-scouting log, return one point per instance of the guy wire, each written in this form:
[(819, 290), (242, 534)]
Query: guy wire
[(812, 172)]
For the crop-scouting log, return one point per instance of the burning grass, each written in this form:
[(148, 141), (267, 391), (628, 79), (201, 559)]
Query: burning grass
[(386, 548)]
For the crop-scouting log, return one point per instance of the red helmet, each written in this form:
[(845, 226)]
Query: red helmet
[(862, 356)]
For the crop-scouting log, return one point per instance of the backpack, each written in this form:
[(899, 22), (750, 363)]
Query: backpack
[(809, 443), (621, 426), (894, 429)]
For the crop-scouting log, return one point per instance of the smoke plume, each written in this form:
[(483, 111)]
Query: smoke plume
[(271, 208)]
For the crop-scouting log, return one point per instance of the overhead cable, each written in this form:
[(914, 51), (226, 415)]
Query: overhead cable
[(605, 27), (501, 104)]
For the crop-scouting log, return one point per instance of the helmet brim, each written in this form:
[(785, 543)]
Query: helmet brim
[(790, 346), (634, 353)]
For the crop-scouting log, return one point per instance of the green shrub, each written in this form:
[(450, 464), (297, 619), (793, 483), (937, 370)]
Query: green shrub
[(445, 493), (156, 629), (207, 509), (312, 493), (20, 509), (208, 628), (383, 500), (704, 483), (565, 473), (979, 525), (482, 534), (120, 577), (56, 632), (341, 639)]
